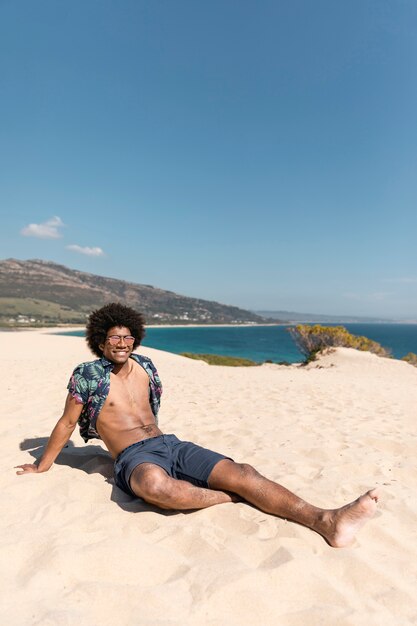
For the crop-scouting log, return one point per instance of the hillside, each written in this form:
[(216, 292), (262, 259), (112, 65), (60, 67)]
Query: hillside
[(40, 292)]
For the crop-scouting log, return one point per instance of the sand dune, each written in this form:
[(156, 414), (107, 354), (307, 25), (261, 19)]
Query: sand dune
[(77, 550)]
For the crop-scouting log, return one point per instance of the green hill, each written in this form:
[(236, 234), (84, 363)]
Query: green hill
[(37, 292)]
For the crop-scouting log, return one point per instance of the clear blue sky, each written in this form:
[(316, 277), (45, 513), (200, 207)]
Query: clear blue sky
[(259, 153)]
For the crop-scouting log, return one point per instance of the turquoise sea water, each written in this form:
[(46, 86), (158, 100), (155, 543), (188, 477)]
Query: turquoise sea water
[(261, 343)]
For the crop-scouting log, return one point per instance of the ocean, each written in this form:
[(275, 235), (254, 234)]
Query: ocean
[(262, 343)]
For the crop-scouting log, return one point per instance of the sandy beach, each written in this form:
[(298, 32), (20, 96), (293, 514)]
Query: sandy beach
[(78, 551)]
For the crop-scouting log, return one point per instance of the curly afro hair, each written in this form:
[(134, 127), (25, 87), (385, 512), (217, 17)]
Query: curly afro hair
[(113, 314)]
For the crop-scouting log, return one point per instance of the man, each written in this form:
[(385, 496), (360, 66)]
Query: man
[(116, 398)]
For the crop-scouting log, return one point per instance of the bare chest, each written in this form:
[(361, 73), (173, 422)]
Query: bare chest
[(130, 392)]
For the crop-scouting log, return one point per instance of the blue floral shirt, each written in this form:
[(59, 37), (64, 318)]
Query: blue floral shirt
[(90, 385)]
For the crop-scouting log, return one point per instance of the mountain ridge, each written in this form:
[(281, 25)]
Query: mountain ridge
[(43, 292)]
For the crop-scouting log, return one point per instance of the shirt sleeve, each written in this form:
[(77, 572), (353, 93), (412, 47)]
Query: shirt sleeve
[(78, 385), (156, 380)]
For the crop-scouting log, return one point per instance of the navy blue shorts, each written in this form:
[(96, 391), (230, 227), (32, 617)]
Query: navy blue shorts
[(180, 459)]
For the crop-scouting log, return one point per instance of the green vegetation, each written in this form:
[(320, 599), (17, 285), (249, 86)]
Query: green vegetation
[(410, 358), (29, 312), (311, 340), (217, 359)]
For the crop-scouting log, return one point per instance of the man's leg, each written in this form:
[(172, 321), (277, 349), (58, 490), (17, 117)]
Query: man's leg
[(337, 526), (152, 483)]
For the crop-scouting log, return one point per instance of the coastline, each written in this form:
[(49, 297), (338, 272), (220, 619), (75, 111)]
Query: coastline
[(82, 326), (258, 343), (328, 431)]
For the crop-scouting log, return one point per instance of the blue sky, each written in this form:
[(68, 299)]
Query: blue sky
[(259, 153)]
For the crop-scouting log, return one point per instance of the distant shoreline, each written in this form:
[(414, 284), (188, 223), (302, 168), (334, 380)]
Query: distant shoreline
[(74, 327), (71, 327)]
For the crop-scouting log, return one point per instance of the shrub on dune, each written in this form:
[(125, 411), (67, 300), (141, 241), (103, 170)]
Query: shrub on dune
[(312, 340), (410, 358)]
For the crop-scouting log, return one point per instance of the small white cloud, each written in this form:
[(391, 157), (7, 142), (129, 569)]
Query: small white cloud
[(46, 230), (406, 280), (85, 250), (368, 297), (350, 295), (380, 295)]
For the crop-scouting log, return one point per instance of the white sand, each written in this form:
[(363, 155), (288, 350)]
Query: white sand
[(77, 551)]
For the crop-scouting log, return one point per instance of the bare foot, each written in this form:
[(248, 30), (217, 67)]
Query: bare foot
[(341, 525)]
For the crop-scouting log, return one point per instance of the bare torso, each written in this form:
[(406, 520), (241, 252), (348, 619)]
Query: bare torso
[(126, 416)]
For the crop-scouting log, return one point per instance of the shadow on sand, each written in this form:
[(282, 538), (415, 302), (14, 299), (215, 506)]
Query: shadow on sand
[(93, 459)]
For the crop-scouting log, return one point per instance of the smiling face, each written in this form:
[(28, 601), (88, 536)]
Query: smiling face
[(120, 351)]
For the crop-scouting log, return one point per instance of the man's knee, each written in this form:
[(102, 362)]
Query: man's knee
[(153, 485), (245, 471), (232, 476)]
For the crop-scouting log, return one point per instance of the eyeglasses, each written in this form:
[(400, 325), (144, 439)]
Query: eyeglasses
[(115, 339)]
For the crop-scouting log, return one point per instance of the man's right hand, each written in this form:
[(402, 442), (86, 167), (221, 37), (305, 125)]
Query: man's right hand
[(59, 437), (29, 468)]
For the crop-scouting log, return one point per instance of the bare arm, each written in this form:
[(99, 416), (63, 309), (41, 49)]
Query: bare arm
[(59, 437)]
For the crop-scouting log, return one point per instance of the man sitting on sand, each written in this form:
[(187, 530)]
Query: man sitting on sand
[(116, 398)]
